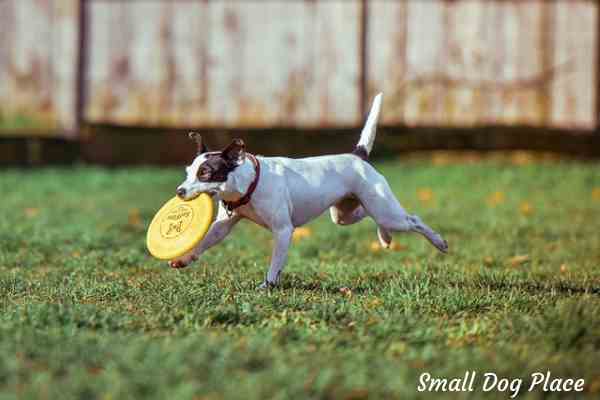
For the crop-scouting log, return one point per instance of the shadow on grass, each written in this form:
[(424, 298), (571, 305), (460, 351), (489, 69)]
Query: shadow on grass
[(532, 288), (313, 286)]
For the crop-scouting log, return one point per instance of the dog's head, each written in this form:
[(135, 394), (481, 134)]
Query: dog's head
[(211, 170)]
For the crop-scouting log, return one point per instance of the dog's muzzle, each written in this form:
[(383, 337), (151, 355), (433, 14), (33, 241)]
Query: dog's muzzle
[(182, 194)]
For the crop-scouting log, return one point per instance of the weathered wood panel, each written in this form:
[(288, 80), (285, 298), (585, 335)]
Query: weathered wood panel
[(224, 64), (248, 63), (573, 89), (37, 61), (467, 63)]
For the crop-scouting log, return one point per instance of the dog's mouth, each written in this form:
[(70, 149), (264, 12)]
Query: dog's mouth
[(212, 193)]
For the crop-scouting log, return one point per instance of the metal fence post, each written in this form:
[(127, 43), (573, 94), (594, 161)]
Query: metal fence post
[(364, 55), (597, 63), (81, 68), (547, 28)]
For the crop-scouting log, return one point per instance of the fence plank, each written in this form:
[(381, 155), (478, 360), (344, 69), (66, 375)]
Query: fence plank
[(226, 64), (247, 63), (597, 64), (573, 94), (37, 53), (387, 56), (471, 63)]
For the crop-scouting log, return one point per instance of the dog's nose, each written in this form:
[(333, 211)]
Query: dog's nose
[(180, 192)]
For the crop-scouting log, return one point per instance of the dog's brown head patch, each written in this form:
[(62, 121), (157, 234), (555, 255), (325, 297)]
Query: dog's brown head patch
[(219, 164)]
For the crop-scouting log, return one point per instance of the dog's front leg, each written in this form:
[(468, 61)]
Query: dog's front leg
[(217, 232), (283, 239)]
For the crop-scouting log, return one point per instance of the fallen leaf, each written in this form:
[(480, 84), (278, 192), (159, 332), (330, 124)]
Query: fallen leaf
[(525, 208), (440, 158), (595, 385), (31, 212), (518, 260), (522, 158), (496, 198), (563, 268), (425, 195), (395, 246), (301, 233), (374, 303), (375, 246), (488, 260), (552, 247), (596, 194), (417, 364), (456, 157), (357, 394), (134, 218), (397, 348), (95, 370)]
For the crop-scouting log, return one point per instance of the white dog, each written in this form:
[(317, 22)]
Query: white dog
[(281, 194)]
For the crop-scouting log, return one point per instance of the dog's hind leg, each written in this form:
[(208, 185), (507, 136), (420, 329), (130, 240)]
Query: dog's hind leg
[(381, 204), (434, 238), (396, 222), (349, 211), (385, 237)]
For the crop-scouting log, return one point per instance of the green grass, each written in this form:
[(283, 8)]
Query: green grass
[(86, 313)]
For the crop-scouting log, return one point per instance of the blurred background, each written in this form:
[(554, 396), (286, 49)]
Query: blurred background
[(119, 82)]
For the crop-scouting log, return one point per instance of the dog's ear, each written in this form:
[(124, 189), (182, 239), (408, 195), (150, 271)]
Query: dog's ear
[(200, 147), (235, 153)]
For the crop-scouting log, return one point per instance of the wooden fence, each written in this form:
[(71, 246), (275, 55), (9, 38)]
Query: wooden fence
[(297, 64)]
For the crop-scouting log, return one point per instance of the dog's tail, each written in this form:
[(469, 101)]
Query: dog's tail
[(367, 136)]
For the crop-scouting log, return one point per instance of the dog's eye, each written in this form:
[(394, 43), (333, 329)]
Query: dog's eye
[(203, 173)]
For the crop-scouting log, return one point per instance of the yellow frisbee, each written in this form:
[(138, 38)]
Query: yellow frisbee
[(179, 226)]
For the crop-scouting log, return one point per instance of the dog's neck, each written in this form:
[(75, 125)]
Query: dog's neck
[(239, 181)]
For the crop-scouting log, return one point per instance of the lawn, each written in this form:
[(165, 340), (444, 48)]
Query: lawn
[(87, 313)]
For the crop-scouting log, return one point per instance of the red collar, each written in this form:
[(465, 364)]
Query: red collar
[(230, 206)]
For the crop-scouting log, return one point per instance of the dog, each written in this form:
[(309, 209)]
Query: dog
[(281, 194)]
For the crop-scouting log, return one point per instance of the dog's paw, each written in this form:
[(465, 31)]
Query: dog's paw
[(443, 246), (438, 242), (182, 262), (177, 264), (266, 285)]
